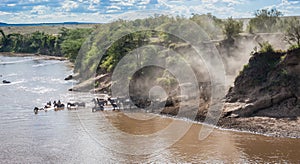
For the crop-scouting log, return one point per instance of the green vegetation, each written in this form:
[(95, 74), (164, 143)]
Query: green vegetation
[(71, 41), (67, 43), (265, 21), (109, 43), (211, 24), (266, 47), (292, 34), (232, 28), (36, 42), (112, 41)]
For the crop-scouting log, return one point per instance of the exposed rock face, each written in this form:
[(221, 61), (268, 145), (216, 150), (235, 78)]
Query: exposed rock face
[(268, 86), (95, 84)]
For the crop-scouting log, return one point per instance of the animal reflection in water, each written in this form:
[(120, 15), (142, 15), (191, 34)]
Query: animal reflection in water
[(101, 104)]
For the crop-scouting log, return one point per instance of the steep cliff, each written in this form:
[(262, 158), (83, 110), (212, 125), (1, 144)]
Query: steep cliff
[(267, 86)]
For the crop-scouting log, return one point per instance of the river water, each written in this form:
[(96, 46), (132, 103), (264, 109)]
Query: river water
[(109, 137)]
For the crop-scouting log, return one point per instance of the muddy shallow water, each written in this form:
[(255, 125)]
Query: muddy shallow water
[(85, 137)]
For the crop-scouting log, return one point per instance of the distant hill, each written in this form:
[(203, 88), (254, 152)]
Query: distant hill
[(2, 24)]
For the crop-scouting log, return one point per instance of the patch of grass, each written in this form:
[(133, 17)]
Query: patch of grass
[(244, 68)]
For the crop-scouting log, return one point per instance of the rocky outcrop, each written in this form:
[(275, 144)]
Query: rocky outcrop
[(268, 86), (96, 84), (5, 82), (70, 77)]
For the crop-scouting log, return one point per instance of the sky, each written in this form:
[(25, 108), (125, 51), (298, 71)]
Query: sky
[(102, 11)]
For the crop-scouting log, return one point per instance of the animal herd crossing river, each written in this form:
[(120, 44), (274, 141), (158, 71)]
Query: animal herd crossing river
[(81, 136)]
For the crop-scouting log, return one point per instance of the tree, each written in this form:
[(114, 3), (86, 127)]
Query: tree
[(72, 41), (2, 33), (232, 28), (292, 34), (3, 40), (265, 20), (210, 24)]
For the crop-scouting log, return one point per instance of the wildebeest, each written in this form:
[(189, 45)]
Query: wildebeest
[(99, 105), (36, 110)]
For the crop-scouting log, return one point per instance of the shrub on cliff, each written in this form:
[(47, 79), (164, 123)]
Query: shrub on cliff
[(292, 34), (265, 47)]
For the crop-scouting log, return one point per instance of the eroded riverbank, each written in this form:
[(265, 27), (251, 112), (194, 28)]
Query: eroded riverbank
[(280, 127), (110, 137)]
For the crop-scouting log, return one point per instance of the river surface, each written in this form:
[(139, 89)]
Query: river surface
[(109, 137)]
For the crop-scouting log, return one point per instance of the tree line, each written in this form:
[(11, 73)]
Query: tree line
[(69, 41), (66, 43)]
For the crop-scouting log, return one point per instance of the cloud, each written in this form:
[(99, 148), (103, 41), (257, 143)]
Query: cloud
[(287, 7), (3, 13), (39, 10), (69, 5), (22, 11), (11, 5), (96, 1), (114, 7)]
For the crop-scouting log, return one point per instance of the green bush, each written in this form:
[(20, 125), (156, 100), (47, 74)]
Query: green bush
[(294, 46), (266, 47), (232, 28), (265, 21), (292, 33)]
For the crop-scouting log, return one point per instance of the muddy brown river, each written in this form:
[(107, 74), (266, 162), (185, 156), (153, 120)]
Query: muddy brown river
[(110, 137)]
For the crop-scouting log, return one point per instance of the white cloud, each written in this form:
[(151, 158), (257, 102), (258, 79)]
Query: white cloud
[(3, 13), (112, 11), (107, 10), (11, 5), (144, 2), (39, 10), (233, 1), (114, 7), (96, 1), (92, 7), (216, 7), (126, 3), (288, 8), (69, 5)]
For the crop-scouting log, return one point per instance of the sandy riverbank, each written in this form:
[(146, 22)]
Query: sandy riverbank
[(276, 127)]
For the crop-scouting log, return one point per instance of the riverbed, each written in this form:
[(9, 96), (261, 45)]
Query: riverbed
[(81, 136)]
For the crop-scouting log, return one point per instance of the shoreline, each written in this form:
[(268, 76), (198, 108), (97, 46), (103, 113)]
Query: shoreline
[(252, 125), (285, 127), (266, 126), (38, 57), (273, 127)]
